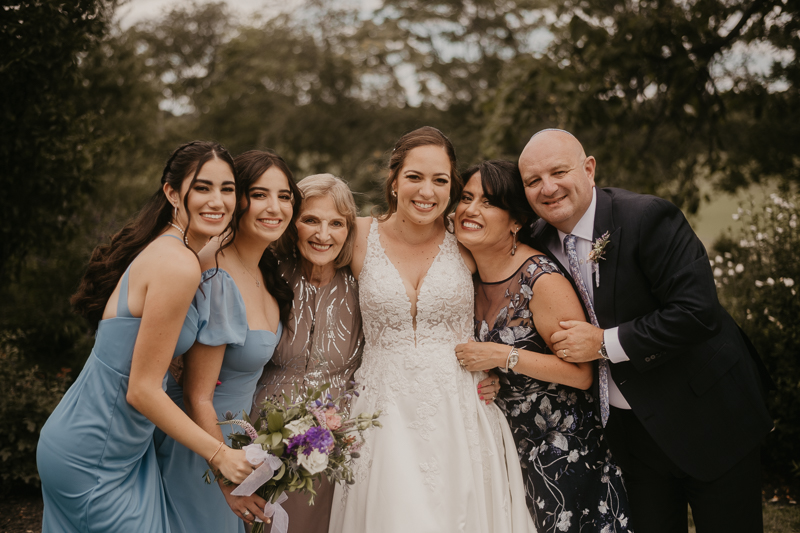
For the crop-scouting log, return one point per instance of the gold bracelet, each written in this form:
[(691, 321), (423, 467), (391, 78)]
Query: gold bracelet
[(215, 453)]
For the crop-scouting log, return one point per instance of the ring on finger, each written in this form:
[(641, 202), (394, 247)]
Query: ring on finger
[(245, 513), (461, 362)]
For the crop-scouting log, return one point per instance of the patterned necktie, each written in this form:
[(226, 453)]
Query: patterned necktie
[(572, 255)]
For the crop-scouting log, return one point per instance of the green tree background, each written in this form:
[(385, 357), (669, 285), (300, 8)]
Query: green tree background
[(664, 93)]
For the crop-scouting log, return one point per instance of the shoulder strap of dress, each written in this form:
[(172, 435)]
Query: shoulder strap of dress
[(173, 236), (373, 229), (544, 266), (122, 301)]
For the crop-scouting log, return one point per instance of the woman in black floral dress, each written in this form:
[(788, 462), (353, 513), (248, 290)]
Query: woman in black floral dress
[(572, 484)]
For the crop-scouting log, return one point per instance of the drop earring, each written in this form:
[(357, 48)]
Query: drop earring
[(394, 193), (514, 242), (177, 227)]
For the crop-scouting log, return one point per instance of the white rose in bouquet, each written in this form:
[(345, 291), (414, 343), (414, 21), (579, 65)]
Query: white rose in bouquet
[(300, 426), (314, 462)]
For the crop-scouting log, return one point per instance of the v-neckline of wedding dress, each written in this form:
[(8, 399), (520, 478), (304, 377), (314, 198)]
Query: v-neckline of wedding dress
[(399, 277)]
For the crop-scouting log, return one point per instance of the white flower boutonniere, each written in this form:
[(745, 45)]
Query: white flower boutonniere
[(598, 253)]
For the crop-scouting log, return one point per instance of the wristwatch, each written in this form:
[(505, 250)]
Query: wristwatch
[(602, 351), (512, 359)]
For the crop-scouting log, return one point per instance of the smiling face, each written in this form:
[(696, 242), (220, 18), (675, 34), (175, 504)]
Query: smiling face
[(480, 225), (270, 209), (423, 184), (211, 199), (321, 231), (558, 178)]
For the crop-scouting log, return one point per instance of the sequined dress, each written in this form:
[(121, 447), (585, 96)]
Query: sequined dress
[(322, 343), (443, 460), (572, 484)]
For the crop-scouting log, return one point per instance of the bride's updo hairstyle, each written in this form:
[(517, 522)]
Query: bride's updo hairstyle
[(424, 136), (109, 261)]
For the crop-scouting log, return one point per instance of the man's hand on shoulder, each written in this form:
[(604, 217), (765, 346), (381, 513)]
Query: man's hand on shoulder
[(577, 341)]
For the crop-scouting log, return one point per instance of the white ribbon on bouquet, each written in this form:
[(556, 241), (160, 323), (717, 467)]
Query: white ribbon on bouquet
[(269, 463)]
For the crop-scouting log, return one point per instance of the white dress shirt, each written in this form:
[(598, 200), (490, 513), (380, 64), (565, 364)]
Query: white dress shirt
[(583, 230)]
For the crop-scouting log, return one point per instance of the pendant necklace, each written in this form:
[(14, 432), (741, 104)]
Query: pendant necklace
[(258, 283)]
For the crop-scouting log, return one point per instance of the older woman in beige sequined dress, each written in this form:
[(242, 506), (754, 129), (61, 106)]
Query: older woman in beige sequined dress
[(322, 341)]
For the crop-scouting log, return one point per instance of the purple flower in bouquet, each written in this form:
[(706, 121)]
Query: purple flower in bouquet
[(316, 438)]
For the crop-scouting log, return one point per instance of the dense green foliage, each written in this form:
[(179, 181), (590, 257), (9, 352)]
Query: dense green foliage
[(28, 399), (758, 277), (664, 93), (661, 91)]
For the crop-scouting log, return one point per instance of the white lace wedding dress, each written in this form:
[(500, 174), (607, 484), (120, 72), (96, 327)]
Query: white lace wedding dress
[(444, 461)]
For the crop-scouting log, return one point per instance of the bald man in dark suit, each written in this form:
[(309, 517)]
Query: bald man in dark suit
[(685, 387)]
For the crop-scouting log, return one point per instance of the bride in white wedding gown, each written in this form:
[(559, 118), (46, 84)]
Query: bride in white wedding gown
[(444, 460)]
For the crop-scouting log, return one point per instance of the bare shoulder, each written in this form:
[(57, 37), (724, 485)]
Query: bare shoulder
[(360, 247), (469, 261), (209, 258), (554, 295), (169, 265)]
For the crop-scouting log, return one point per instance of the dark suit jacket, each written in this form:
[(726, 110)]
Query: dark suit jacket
[(692, 379)]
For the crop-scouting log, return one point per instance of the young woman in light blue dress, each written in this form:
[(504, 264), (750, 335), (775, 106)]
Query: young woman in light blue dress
[(246, 301), (95, 455)]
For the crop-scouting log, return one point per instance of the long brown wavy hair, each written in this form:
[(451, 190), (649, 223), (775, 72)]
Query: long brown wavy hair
[(109, 261), (250, 166)]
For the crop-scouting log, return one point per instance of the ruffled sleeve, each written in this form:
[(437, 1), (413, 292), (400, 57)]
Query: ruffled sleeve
[(222, 318)]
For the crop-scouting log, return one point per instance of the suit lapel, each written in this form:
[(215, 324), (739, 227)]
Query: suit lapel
[(604, 294)]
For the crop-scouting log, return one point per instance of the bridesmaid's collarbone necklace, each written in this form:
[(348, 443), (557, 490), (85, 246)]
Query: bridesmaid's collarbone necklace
[(258, 283), (183, 233)]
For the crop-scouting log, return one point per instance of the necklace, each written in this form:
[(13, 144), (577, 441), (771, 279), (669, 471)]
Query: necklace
[(258, 283), (178, 228)]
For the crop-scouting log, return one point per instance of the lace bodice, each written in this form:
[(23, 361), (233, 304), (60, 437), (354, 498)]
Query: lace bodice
[(396, 355), (444, 305)]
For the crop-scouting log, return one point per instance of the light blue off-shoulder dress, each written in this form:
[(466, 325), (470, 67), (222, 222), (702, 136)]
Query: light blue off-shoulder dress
[(96, 456), (192, 505)]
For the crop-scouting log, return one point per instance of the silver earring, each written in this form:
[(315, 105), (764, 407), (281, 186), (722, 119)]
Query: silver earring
[(514, 242), (394, 193)]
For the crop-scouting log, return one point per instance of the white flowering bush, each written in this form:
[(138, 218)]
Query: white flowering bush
[(757, 271)]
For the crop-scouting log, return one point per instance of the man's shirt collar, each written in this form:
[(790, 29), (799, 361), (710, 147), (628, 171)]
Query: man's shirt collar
[(584, 229)]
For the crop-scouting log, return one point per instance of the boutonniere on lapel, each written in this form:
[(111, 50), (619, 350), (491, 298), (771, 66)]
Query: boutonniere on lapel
[(598, 253)]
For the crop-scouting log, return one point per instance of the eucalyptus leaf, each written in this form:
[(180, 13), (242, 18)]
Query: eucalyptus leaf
[(275, 422)]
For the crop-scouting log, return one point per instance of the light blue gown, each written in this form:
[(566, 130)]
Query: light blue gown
[(95, 455), (192, 505)]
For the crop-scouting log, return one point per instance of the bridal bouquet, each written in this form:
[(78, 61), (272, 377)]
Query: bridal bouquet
[(298, 442)]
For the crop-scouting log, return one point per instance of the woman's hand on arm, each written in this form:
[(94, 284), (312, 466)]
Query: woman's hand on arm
[(489, 387), (481, 356)]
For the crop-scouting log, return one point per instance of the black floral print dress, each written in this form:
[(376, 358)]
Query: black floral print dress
[(571, 482)]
